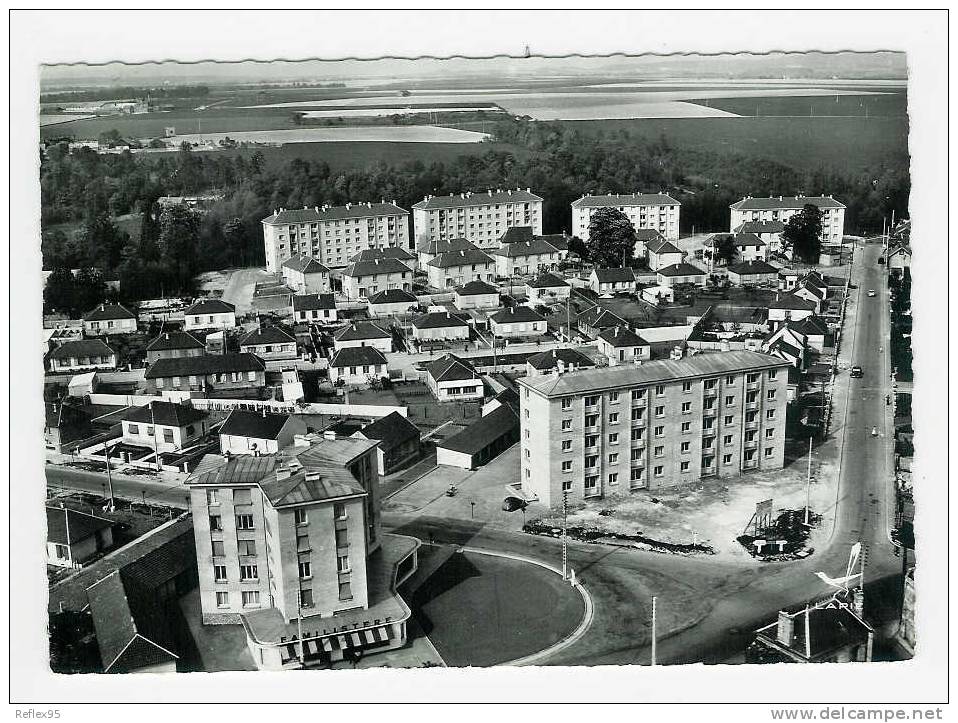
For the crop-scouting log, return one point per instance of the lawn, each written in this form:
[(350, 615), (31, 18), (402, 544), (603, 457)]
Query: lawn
[(480, 610)]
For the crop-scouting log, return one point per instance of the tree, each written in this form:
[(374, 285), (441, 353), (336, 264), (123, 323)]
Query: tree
[(611, 238), (803, 234), (73, 647), (111, 138), (178, 239), (725, 249)]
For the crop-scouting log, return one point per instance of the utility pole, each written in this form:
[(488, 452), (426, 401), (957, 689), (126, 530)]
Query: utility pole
[(156, 450), (808, 481), (299, 630), (109, 477), (565, 534), (808, 632), (654, 636)]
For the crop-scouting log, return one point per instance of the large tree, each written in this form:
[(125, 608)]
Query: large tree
[(724, 249), (611, 238), (803, 234)]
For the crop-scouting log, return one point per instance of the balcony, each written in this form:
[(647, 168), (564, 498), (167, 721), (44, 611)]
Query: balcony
[(751, 405), (710, 393), (710, 412), (751, 445), (751, 425), (751, 385)]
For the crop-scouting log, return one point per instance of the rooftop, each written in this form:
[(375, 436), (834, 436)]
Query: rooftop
[(625, 199), (648, 234), (546, 280), (361, 330), (478, 198), (175, 340), (393, 296), (739, 239), (210, 306), (257, 425), (760, 227), (215, 469), (388, 252), (621, 336), (533, 247), (438, 320), (306, 265), (310, 302), (357, 356), (392, 431), (165, 414), (465, 257), (746, 268), (267, 335), (376, 266), (483, 432), (476, 288), (443, 245), (516, 315), (203, 365), (66, 526), (81, 348), (792, 302), (105, 312), (549, 359), (681, 269), (607, 276), (666, 370), (789, 202), (661, 246), (451, 368), (333, 213)]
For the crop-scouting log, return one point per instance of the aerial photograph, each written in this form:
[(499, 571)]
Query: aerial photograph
[(449, 363)]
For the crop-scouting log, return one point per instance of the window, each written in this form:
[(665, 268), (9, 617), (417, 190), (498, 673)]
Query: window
[(636, 474), (301, 516), (728, 440), (149, 431), (244, 522), (246, 547), (660, 411), (770, 414), (248, 572), (730, 379), (750, 397), (218, 550), (242, 497), (250, 598), (222, 599), (614, 418), (591, 420), (658, 451), (751, 378), (591, 482), (345, 591), (212, 497), (302, 543), (306, 597), (614, 478), (659, 389), (614, 458), (566, 445), (659, 431), (342, 539), (769, 451), (566, 425), (339, 511), (591, 460), (769, 433), (750, 417), (707, 442), (591, 401), (638, 394), (134, 429), (686, 386), (342, 563), (729, 418), (613, 397), (614, 438), (637, 414), (566, 402), (707, 423), (710, 383), (686, 407), (591, 440), (686, 427), (567, 485), (729, 400), (771, 394), (216, 523), (772, 373), (168, 436), (685, 466), (658, 470), (219, 573), (726, 459), (567, 465), (305, 570), (685, 447)]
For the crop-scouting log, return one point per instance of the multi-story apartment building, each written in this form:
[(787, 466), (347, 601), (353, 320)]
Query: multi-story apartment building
[(480, 217), (782, 208), (663, 423), (655, 211), (333, 234)]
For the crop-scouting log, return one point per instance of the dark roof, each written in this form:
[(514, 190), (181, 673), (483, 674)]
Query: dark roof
[(484, 431), (306, 265), (392, 431), (476, 288), (81, 348), (516, 234), (621, 336), (451, 368), (790, 301), (376, 266), (166, 414), (438, 246), (649, 234), (66, 526), (739, 239), (392, 296), (438, 320), (105, 312), (477, 199), (625, 199), (352, 356), (516, 314), (546, 280), (361, 330), (175, 340), (388, 252), (258, 425), (790, 349), (682, 269), (267, 335), (600, 318), (333, 213), (308, 302), (809, 326), (466, 257), (533, 247), (746, 268), (549, 359), (203, 365), (606, 276), (760, 227), (757, 204), (661, 246), (210, 306)]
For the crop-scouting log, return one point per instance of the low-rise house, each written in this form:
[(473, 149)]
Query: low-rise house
[(388, 252), (789, 307), (210, 314), (644, 237), (258, 433), (683, 273), (82, 355), (815, 332), (484, 439), (517, 322), (399, 441), (477, 295), (621, 345), (174, 344), (752, 273), (430, 249), (357, 365), (315, 308), (208, 373), (73, 537), (748, 246), (306, 275), (525, 258), (109, 319), (813, 287), (769, 232), (594, 320), (363, 279), (165, 426), (787, 344), (440, 326), (452, 379), (363, 333), (547, 287), (612, 281), (788, 279), (65, 424), (558, 360), (269, 343), (662, 253), (392, 302), (899, 258), (456, 268)]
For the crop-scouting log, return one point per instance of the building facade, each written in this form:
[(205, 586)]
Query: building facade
[(782, 208), (210, 314), (655, 211), (109, 319), (664, 423), (479, 217), (306, 275), (364, 279)]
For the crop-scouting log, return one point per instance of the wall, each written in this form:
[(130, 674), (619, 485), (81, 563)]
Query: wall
[(452, 458)]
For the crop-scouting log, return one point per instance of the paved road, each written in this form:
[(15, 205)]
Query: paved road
[(130, 488)]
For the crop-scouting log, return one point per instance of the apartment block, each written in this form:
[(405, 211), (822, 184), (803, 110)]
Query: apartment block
[(333, 234), (653, 211), (479, 217), (663, 423), (782, 208)]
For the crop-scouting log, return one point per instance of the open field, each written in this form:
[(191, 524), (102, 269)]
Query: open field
[(886, 105)]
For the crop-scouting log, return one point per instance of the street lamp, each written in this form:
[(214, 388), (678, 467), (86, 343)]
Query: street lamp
[(473, 510)]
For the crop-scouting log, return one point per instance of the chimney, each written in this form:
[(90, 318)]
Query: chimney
[(329, 435), (786, 629), (282, 472)]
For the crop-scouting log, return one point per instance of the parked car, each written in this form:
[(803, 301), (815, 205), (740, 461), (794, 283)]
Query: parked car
[(871, 292), (857, 371)]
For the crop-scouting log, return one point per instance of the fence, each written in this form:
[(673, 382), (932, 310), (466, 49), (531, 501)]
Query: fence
[(137, 400)]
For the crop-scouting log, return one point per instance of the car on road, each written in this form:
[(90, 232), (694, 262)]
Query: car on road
[(857, 371), (871, 292), (874, 431)]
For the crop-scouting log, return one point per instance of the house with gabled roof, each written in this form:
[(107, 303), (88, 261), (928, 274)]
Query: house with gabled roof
[(748, 246), (388, 252), (391, 302), (752, 273), (314, 309), (165, 426), (476, 295), (594, 320), (452, 379), (683, 273), (440, 325), (258, 433), (559, 360), (269, 343), (211, 314), (218, 373), (363, 333), (661, 253), (621, 345), (456, 268), (899, 258), (429, 249), (109, 319), (769, 232), (483, 439), (789, 307), (612, 280), (357, 365), (74, 536), (786, 343), (644, 237), (517, 322), (547, 287), (173, 344), (82, 355), (399, 440), (363, 279), (306, 275), (525, 258)]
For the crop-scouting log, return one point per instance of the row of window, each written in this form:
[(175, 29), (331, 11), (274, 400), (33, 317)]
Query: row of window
[(134, 431), (220, 377), (250, 599)]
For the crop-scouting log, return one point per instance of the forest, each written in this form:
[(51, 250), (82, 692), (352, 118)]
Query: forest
[(83, 193)]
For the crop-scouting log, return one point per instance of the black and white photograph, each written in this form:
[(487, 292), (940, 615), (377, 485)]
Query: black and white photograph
[(425, 360)]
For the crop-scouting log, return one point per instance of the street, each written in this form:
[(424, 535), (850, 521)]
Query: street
[(135, 489)]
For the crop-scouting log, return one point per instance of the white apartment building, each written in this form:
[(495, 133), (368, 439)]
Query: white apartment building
[(333, 234), (479, 217), (654, 211), (782, 208), (662, 423)]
